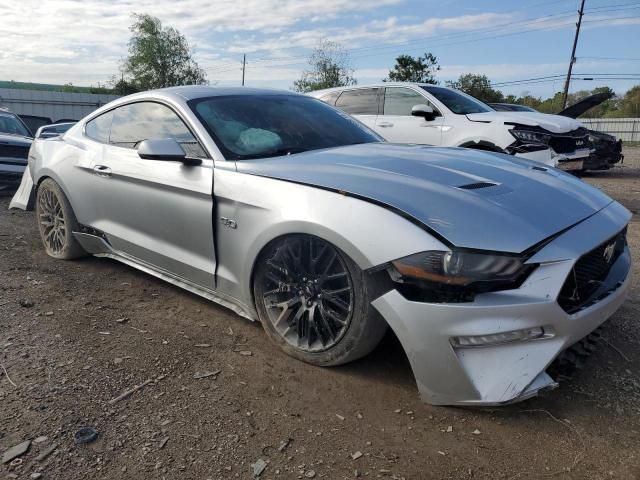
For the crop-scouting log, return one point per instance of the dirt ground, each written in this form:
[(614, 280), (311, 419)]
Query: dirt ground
[(76, 335)]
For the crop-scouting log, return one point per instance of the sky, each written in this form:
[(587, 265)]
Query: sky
[(83, 41)]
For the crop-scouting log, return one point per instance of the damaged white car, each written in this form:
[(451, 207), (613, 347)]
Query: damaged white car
[(433, 115), (486, 266)]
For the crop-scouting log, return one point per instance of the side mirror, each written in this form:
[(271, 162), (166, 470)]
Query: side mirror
[(165, 149), (424, 111)]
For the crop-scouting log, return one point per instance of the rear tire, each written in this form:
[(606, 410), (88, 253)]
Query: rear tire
[(315, 302), (57, 222)]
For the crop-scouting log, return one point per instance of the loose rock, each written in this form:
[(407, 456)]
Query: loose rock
[(284, 445), (16, 451), (45, 453), (205, 374), (258, 467)]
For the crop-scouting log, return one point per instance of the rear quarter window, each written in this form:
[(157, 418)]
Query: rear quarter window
[(100, 127), (363, 101)]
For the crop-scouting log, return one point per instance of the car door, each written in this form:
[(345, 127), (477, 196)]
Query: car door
[(396, 124), (157, 212), (362, 103)]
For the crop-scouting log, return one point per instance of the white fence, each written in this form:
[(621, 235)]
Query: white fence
[(626, 129)]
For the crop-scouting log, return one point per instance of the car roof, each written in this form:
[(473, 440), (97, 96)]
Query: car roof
[(378, 85), (192, 92), (183, 94)]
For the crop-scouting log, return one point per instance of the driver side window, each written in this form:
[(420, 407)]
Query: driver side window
[(400, 101), (140, 121)]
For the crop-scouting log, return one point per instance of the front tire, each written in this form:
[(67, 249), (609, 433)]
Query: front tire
[(315, 303), (57, 222)]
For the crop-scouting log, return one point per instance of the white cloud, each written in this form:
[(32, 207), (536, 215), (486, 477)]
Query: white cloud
[(389, 31), (66, 38), (82, 41)]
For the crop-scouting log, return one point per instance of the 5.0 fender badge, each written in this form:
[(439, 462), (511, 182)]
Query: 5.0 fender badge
[(227, 222)]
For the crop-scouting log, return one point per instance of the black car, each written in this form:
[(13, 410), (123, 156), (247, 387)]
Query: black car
[(511, 107), (34, 122), (606, 149), (15, 141)]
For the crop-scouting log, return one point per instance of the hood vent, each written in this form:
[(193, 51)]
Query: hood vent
[(477, 185), (541, 169)]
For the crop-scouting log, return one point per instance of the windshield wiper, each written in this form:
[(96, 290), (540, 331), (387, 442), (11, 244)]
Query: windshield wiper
[(279, 152)]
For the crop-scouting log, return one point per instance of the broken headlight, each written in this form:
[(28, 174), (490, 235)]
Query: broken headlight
[(457, 275), (528, 136)]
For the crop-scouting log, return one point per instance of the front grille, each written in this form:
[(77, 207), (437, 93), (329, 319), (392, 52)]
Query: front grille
[(570, 142), (589, 272), (14, 151)]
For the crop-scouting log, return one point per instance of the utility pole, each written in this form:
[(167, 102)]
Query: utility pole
[(244, 62), (573, 56)]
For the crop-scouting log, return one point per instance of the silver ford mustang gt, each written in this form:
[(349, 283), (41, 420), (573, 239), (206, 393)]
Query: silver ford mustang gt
[(286, 210)]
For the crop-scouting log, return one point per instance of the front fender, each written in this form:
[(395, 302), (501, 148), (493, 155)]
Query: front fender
[(265, 209)]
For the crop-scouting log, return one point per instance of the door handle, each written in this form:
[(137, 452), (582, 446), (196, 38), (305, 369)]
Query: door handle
[(385, 124), (102, 171)]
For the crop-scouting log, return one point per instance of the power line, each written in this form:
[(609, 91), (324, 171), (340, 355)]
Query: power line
[(618, 6), (523, 22), (537, 23), (610, 19), (517, 83), (435, 44), (627, 59)]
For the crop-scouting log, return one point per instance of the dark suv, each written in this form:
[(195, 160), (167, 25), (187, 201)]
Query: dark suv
[(15, 141)]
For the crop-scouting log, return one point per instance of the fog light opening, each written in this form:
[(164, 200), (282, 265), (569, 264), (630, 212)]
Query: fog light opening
[(524, 335)]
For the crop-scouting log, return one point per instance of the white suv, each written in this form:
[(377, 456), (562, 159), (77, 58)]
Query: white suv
[(430, 114)]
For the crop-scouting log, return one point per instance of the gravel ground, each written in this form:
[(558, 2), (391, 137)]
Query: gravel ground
[(74, 336)]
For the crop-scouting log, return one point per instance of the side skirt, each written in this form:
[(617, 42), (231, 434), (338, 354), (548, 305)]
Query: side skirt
[(98, 247)]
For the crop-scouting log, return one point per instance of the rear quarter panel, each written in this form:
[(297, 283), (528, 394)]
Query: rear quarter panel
[(69, 162)]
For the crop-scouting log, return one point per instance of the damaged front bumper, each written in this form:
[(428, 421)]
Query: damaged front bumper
[(567, 151), (449, 373), (539, 153), (573, 161)]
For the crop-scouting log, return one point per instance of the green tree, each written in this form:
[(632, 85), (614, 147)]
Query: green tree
[(478, 86), (159, 56), (330, 66), (419, 69), (122, 87), (629, 104)]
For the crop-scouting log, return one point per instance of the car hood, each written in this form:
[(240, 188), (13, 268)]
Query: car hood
[(578, 108), (552, 123), (471, 198)]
